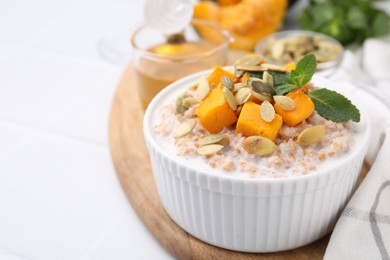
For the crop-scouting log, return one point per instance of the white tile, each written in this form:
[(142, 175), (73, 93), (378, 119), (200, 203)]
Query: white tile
[(129, 239), (57, 197), (88, 119), (7, 255), (7, 49), (11, 136), (36, 86), (98, 31), (21, 20)]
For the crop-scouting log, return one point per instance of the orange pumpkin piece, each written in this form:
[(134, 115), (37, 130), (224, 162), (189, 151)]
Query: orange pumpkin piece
[(247, 20), (250, 122), (290, 66), (304, 107), (214, 113), (217, 74)]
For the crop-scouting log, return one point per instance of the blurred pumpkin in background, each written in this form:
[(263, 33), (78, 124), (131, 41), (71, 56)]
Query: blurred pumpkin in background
[(247, 20)]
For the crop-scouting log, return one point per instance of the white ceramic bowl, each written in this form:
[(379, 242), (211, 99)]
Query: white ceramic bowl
[(251, 215)]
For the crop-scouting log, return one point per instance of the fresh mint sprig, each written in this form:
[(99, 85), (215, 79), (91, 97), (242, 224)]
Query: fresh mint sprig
[(302, 74), (334, 106), (328, 103), (304, 70)]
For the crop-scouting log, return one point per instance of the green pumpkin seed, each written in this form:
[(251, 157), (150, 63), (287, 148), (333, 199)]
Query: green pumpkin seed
[(211, 139), (267, 111), (180, 109), (312, 135), (238, 73), (261, 87), (189, 102), (261, 97), (227, 82), (210, 149), (185, 128), (259, 145)]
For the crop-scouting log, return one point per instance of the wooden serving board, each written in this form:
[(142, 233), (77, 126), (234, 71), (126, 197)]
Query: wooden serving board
[(132, 164)]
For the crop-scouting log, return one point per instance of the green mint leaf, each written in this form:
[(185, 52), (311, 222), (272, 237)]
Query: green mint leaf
[(380, 24), (357, 18), (350, 22), (280, 78), (287, 88), (304, 70), (334, 106)]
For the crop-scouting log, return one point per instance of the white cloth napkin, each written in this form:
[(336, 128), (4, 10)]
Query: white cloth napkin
[(363, 230)]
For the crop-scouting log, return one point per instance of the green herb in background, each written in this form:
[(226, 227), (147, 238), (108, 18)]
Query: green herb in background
[(349, 21)]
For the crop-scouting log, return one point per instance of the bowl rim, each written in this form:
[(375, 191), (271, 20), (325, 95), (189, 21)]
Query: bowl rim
[(227, 38), (259, 47), (193, 78)]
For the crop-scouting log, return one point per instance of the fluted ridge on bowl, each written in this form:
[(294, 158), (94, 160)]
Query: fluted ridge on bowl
[(231, 214)]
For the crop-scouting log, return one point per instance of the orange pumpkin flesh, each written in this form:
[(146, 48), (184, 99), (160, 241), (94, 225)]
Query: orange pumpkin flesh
[(248, 21)]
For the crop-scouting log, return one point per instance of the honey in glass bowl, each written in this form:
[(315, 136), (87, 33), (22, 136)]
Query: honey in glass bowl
[(159, 61)]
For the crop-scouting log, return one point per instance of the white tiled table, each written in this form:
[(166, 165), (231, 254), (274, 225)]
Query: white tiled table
[(59, 195)]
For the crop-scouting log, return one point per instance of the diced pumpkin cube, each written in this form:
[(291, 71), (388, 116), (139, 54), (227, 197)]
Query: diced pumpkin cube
[(290, 66), (304, 107), (250, 122), (214, 113), (217, 74)]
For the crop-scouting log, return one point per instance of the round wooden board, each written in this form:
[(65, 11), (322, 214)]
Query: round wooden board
[(131, 160)]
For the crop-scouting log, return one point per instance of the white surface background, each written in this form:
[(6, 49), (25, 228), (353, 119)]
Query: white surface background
[(59, 194)]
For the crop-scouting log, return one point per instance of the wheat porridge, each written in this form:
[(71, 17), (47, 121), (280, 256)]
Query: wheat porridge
[(252, 123)]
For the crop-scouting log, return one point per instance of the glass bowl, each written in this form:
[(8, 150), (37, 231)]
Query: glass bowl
[(289, 46)]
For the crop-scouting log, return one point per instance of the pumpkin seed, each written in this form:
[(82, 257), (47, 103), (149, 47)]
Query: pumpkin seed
[(189, 102), (249, 60), (203, 88), (210, 149), (238, 73), (193, 87), (267, 111), (229, 98), (259, 145), (274, 67), (180, 109), (243, 95), (286, 103), (227, 82), (268, 79), (277, 50), (261, 87), (259, 68), (185, 128), (238, 86), (312, 134), (249, 80), (238, 111), (261, 97), (211, 139)]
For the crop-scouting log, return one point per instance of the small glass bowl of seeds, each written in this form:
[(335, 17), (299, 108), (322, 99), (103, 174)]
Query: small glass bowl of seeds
[(289, 46)]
